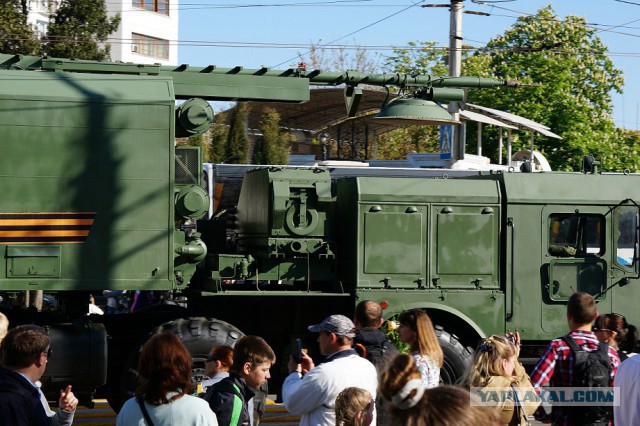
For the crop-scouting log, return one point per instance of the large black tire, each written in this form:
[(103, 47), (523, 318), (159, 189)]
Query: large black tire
[(457, 357), (198, 335)]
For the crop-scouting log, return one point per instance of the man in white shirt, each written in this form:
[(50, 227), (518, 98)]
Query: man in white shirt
[(313, 395), (627, 386)]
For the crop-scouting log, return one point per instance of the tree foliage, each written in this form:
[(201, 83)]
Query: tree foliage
[(273, 146), (79, 29), (198, 140), (16, 36), (218, 135), (572, 78), (237, 151), (421, 57)]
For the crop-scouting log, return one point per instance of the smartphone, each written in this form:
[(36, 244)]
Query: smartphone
[(296, 350)]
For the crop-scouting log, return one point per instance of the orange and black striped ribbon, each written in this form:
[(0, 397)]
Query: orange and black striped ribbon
[(45, 228)]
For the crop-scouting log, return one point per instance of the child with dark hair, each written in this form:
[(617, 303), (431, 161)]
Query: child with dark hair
[(229, 398)]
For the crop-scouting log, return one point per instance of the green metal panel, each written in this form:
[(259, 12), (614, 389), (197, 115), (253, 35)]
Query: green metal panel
[(568, 188), (566, 276), (92, 155), (394, 243), (395, 233), (467, 243), (482, 311)]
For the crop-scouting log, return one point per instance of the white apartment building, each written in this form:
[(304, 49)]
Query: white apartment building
[(148, 31)]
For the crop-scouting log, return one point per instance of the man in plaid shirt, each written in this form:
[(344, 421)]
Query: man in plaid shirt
[(556, 365)]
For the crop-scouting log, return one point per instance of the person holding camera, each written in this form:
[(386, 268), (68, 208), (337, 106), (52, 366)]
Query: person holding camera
[(313, 396), (495, 368)]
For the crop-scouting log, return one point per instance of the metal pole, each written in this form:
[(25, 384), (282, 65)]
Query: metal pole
[(509, 147), (455, 64), (499, 145), (479, 139)]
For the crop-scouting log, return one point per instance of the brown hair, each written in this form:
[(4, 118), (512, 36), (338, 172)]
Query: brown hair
[(165, 364), (349, 403), (627, 334), (23, 345), (442, 405), (487, 361), (252, 349), (223, 354), (368, 313), (426, 342), (401, 369), (582, 308)]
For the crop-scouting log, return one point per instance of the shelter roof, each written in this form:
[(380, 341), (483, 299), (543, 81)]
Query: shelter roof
[(324, 111)]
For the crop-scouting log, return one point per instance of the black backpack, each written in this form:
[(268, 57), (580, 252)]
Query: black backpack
[(590, 370)]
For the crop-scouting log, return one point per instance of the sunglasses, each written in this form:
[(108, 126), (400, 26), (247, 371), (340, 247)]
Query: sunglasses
[(48, 352), (595, 330), (210, 358)]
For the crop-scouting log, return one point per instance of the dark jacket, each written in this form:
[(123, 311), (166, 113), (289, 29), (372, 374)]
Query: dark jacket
[(379, 350), (20, 401), (228, 399)]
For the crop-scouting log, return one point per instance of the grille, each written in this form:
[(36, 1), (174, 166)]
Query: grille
[(187, 166)]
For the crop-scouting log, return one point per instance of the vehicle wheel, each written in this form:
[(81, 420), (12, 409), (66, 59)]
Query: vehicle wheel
[(198, 335), (456, 357)]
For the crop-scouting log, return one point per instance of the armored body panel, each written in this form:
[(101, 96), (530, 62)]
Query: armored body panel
[(419, 233), (87, 181)]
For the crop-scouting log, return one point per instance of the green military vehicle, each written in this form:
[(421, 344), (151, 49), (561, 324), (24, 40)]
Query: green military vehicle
[(96, 196)]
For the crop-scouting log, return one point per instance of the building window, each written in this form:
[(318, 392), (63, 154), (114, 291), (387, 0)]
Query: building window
[(158, 6), (40, 28), (150, 46)]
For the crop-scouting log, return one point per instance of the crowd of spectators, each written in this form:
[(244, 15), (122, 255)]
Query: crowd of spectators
[(362, 380)]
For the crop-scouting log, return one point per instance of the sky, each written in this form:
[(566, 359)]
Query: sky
[(256, 33)]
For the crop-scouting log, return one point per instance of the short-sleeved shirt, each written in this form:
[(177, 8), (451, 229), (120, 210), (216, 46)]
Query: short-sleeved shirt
[(429, 371), (556, 366)]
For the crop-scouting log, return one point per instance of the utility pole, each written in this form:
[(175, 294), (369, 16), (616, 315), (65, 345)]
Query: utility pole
[(455, 65)]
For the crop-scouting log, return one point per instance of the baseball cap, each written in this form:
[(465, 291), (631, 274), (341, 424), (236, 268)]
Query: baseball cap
[(338, 324)]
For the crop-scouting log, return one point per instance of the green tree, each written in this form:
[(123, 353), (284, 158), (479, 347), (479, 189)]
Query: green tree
[(79, 29), (237, 151), (572, 79), (15, 35), (198, 140), (422, 57), (218, 134), (273, 146)]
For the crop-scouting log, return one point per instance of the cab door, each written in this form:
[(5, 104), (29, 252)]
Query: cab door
[(577, 256)]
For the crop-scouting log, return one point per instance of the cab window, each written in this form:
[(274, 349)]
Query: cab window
[(627, 241), (576, 235)]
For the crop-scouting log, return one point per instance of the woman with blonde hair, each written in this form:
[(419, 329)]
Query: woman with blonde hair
[(354, 407), (410, 404), (495, 369), (418, 332)]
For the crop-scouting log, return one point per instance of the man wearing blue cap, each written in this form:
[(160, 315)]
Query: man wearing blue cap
[(312, 395)]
